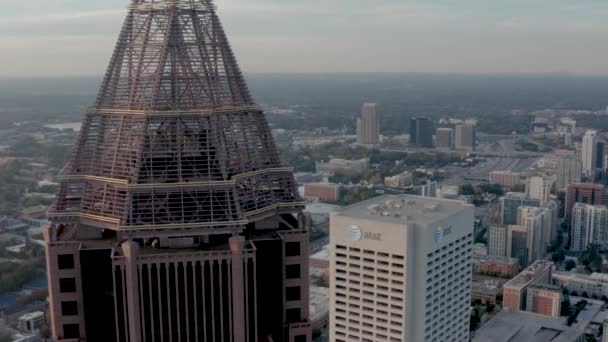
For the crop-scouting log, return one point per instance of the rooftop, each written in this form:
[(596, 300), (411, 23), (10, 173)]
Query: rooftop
[(509, 325), (528, 275), (403, 209)]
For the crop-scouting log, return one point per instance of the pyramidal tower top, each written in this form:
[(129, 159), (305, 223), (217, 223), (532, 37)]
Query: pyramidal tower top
[(172, 55), (174, 144)]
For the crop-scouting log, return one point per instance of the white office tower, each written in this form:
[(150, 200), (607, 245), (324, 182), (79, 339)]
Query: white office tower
[(569, 170), (589, 226), (367, 126), (537, 222), (497, 240), (588, 153), (401, 270), (539, 188), (428, 189)]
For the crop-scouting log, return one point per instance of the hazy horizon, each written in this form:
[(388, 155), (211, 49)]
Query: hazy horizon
[(74, 38)]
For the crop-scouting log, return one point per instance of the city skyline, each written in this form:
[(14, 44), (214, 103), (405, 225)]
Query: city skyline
[(517, 37)]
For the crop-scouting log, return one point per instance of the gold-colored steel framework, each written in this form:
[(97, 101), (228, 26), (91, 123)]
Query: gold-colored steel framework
[(174, 145)]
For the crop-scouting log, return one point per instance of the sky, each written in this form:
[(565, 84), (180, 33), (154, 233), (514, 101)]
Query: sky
[(48, 38)]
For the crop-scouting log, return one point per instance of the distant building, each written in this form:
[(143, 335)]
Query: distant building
[(428, 189), (568, 139), (499, 266), (538, 224), (444, 138), (539, 188), (401, 180), (589, 226), (421, 132), (322, 191), (511, 202), (507, 179), (588, 193), (589, 153), (368, 132), (464, 137), (515, 291), (321, 258), (486, 292), (593, 285), (395, 254), (337, 165), (497, 240), (569, 170), (544, 299)]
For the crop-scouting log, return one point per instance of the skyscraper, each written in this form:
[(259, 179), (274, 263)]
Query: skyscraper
[(421, 132), (589, 226), (509, 204), (589, 153), (401, 270), (464, 138), (593, 194), (444, 138), (539, 188), (517, 244), (497, 240), (569, 170), (176, 219), (367, 126)]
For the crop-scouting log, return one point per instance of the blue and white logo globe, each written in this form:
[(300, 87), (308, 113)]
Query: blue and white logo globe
[(354, 232), (438, 234)]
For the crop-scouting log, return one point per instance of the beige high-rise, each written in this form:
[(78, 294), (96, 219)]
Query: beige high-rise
[(367, 126), (401, 270)]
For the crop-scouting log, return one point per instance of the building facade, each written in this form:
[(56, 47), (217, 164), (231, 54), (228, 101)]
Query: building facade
[(499, 266), (444, 138), (507, 179), (589, 226), (515, 291), (421, 132), (594, 284), (589, 153), (511, 202), (175, 219), (464, 137), (497, 240), (368, 132), (401, 180), (322, 191), (539, 188), (544, 299), (587, 193), (517, 244), (401, 270), (569, 170)]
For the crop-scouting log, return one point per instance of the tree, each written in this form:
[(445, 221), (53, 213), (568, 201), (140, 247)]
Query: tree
[(467, 190), (570, 264), (565, 306)]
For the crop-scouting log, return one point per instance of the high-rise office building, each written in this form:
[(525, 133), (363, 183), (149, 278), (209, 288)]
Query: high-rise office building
[(464, 137), (401, 270), (517, 244), (421, 132), (589, 153), (539, 188), (588, 193), (589, 226), (538, 223), (497, 240), (569, 170), (444, 138), (368, 132), (509, 204), (428, 189), (175, 219)]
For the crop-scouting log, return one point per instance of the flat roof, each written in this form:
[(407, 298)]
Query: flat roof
[(509, 325), (404, 209), (529, 274)]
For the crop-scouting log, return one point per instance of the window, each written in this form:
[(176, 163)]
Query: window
[(65, 261), (292, 271), (292, 249), (293, 315), (69, 308), (71, 331), (67, 285), (293, 293)]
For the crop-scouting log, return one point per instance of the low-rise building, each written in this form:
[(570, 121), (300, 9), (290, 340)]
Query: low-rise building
[(544, 299), (507, 179), (499, 266), (401, 180), (515, 290), (594, 284), (337, 165), (30, 322), (322, 191), (485, 291)]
